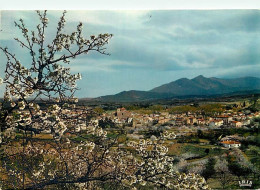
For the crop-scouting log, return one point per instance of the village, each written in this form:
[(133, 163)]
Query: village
[(202, 139), (136, 124)]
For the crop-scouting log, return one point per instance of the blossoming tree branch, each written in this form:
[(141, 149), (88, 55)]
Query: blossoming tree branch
[(95, 161)]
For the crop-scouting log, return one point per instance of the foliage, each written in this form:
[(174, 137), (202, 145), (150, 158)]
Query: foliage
[(98, 110), (106, 123), (206, 109), (209, 170), (224, 175), (182, 109), (239, 165)]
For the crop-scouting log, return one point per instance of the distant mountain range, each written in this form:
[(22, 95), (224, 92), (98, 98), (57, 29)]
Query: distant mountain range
[(199, 86)]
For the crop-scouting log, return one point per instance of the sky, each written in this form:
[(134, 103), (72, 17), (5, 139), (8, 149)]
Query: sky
[(151, 47)]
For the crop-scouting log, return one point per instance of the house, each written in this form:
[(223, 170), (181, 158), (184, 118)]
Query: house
[(201, 121), (186, 121), (179, 121), (163, 120), (236, 124), (226, 119), (230, 144), (216, 123), (192, 120), (83, 126), (246, 122), (122, 113)]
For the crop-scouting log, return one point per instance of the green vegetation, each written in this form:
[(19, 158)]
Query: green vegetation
[(204, 108), (209, 170), (182, 109), (98, 110)]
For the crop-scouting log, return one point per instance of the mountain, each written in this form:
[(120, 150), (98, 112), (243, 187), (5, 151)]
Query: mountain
[(198, 86), (201, 85), (134, 95)]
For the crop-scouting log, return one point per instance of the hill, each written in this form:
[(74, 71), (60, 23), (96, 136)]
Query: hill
[(199, 86)]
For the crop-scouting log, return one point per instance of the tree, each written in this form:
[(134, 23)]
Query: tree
[(46, 77), (200, 133), (238, 165), (244, 104), (222, 171), (90, 159), (209, 170), (253, 101), (255, 160)]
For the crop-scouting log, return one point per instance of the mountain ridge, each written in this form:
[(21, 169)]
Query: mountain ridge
[(198, 86)]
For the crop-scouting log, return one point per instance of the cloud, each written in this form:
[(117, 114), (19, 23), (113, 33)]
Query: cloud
[(239, 71), (104, 65), (126, 19)]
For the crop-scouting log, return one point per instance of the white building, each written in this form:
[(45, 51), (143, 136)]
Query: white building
[(230, 144)]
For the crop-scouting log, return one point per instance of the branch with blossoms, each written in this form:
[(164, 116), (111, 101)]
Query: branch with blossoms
[(68, 162), (154, 167), (46, 77), (88, 164)]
